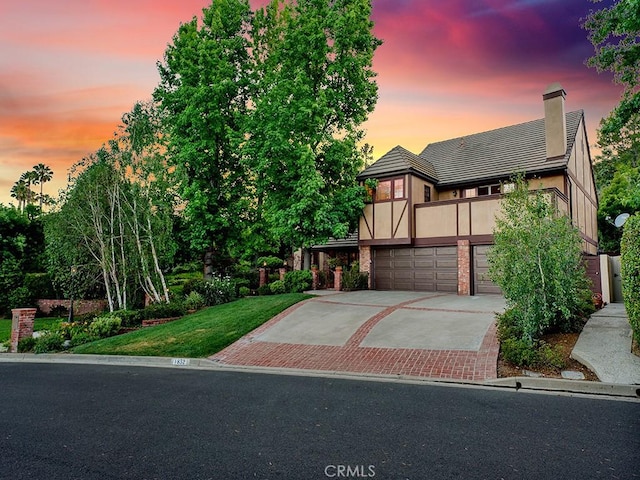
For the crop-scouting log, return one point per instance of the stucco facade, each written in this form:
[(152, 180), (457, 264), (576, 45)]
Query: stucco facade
[(450, 194)]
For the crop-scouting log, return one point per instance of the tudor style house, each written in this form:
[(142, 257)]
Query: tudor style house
[(431, 217)]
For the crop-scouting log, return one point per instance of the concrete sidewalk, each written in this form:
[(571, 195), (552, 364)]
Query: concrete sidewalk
[(605, 346)]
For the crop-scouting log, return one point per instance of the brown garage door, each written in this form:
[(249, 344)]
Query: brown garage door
[(481, 281), (427, 269)]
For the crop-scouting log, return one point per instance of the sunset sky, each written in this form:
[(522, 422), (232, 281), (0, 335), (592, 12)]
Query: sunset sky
[(69, 69)]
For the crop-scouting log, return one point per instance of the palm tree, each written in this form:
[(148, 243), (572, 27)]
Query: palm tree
[(20, 191), (29, 178), (42, 174)]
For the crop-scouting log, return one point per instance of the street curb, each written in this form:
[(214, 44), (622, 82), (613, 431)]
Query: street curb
[(568, 386), (108, 360), (530, 384)]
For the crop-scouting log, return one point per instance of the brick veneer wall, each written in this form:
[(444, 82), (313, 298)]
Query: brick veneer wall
[(80, 307), (464, 267), (337, 279), (365, 262), (21, 325)]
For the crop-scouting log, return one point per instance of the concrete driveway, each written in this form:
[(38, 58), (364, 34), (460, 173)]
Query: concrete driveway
[(421, 334)]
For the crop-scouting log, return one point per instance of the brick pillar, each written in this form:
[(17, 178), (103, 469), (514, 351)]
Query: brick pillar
[(283, 272), (263, 276), (21, 325), (315, 278), (464, 267), (365, 262), (337, 279)]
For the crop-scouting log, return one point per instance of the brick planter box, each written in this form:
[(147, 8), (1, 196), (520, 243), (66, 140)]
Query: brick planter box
[(152, 322)]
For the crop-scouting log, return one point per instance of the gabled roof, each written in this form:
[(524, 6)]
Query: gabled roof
[(399, 160), (498, 153), (486, 156)]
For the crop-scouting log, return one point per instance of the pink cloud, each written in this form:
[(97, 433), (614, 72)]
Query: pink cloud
[(446, 69)]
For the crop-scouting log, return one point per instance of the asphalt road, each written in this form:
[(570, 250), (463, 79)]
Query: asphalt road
[(109, 422)]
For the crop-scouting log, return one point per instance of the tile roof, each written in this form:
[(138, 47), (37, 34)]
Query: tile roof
[(399, 160), (496, 154)]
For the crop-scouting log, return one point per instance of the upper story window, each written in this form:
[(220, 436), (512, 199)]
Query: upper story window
[(398, 188), (390, 189), (427, 193), (489, 190)]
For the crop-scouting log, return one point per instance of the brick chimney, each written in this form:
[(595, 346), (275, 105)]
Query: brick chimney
[(555, 122)]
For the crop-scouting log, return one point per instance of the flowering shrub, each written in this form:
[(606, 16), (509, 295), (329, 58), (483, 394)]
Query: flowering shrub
[(218, 290)]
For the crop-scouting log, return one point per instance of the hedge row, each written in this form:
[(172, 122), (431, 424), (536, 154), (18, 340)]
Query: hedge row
[(630, 266)]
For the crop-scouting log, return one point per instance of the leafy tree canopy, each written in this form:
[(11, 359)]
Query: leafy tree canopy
[(615, 35), (315, 87), (203, 95)]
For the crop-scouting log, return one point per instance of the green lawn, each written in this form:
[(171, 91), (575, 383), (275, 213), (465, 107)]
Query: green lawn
[(200, 334), (39, 324)]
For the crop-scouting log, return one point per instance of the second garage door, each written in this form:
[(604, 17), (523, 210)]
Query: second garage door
[(426, 269), (481, 281)]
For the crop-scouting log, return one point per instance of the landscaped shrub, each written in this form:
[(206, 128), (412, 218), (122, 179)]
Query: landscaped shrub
[(248, 273), (195, 284), (277, 287), (241, 282), (273, 277), (130, 318), (354, 279), (630, 271), (49, 342), (537, 262), (298, 281), (68, 330), (163, 310), (105, 326), (21, 297), (187, 268), (219, 290), (264, 290), (244, 291), (194, 301), (269, 262), (26, 344), (81, 338)]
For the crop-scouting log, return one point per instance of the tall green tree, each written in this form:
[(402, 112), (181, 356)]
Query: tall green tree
[(614, 32), (203, 94), (313, 88), (138, 152), (21, 247), (537, 262)]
